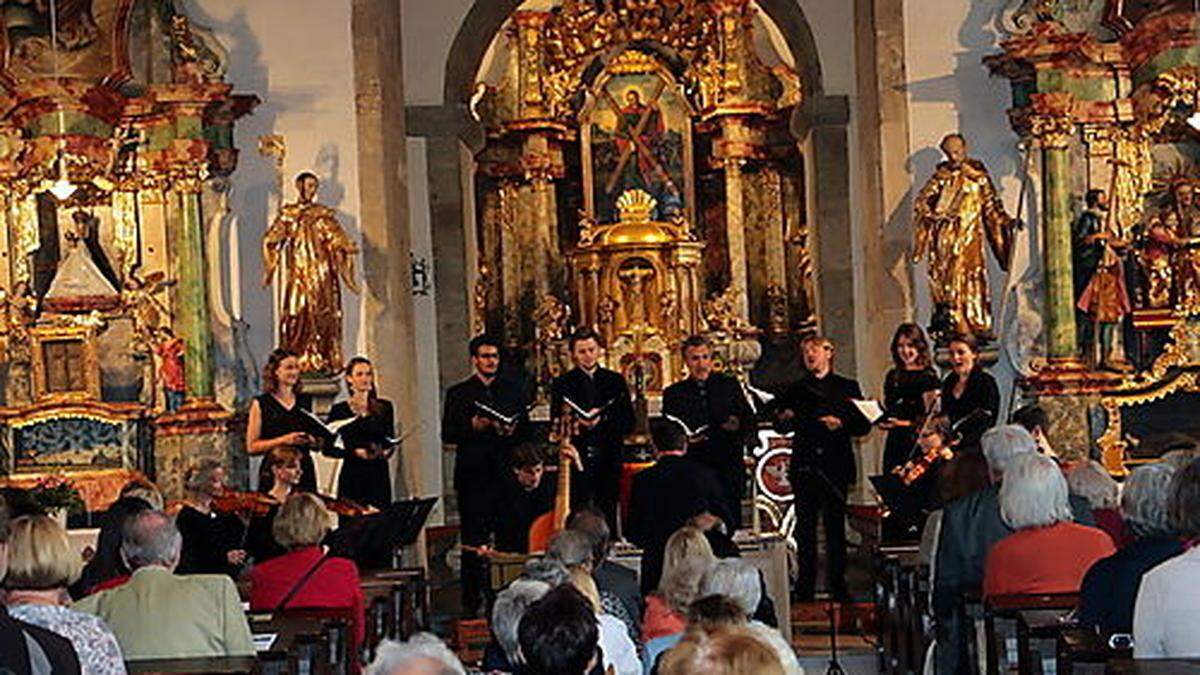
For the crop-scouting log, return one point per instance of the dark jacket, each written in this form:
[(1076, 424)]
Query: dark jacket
[(482, 456), (816, 447), (622, 583), (982, 394), (712, 402), (516, 508), (26, 649), (1110, 588), (605, 389)]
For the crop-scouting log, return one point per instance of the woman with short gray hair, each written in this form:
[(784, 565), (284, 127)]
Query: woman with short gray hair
[(738, 580), (1048, 553), (1109, 589), (511, 603)]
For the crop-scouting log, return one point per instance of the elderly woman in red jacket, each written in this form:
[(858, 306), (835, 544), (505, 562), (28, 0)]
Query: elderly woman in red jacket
[(302, 522)]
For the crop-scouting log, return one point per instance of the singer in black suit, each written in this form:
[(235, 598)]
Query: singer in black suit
[(482, 446), (969, 390), (818, 409), (716, 401), (600, 439)]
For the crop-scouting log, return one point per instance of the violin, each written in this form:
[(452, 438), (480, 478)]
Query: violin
[(915, 468), (245, 504), (347, 508)]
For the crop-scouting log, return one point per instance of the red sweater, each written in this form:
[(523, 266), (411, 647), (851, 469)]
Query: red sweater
[(334, 586), (1044, 559)]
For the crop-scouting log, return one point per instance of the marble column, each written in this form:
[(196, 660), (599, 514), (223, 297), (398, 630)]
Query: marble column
[(1061, 346), (191, 294)]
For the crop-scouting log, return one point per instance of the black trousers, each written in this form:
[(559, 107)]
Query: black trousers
[(731, 476), (818, 496), (599, 483), (474, 505)]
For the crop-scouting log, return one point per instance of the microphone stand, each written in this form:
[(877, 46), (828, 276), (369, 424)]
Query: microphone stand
[(834, 668)]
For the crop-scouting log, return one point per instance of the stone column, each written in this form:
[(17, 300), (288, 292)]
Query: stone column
[(735, 233), (191, 292), (1052, 134)]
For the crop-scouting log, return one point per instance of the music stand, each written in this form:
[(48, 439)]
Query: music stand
[(371, 541)]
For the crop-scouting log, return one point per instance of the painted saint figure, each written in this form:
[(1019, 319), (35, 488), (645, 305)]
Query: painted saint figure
[(309, 249), (956, 210), (1099, 277)]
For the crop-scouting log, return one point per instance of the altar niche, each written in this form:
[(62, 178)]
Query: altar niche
[(650, 146)]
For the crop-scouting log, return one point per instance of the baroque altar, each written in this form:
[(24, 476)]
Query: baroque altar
[(639, 177), (115, 151)]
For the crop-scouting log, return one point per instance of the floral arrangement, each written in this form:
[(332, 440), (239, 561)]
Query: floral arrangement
[(55, 493)]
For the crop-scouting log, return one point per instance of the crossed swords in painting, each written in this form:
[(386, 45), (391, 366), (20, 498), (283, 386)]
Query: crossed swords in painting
[(635, 139)]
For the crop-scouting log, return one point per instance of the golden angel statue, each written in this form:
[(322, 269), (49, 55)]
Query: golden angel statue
[(309, 251), (953, 214)]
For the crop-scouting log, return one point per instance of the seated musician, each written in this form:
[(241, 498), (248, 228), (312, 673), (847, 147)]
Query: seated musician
[(306, 576), (521, 498), (283, 473), (212, 542)]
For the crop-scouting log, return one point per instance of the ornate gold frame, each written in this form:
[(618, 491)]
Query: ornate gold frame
[(39, 336)]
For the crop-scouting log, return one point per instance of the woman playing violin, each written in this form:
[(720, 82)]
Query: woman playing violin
[(276, 418), (211, 540), (364, 477), (283, 477), (907, 390)]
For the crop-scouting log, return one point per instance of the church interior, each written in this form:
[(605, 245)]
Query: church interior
[(750, 327)]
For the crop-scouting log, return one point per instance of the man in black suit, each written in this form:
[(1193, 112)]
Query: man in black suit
[(818, 409), (714, 408), (523, 495), (483, 442), (667, 496), (598, 400)]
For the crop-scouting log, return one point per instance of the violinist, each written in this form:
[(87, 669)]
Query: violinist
[(285, 473), (969, 391), (211, 540), (364, 476), (276, 418), (908, 389)]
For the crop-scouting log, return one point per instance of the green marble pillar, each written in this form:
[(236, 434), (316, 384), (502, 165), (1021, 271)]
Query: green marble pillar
[(1056, 247), (191, 291)]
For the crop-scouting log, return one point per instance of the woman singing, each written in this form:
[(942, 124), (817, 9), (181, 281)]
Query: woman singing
[(906, 394), (969, 392), (364, 477), (276, 418)]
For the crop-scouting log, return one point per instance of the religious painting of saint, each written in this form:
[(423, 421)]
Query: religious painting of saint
[(636, 139)]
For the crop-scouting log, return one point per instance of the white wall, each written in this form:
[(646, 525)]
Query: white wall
[(296, 56)]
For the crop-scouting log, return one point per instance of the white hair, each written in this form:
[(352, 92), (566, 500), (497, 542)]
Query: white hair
[(571, 548), (1001, 444), (1090, 481), (1144, 500), (510, 606), (735, 579), (1034, 493), (150, 538), (392, 656)]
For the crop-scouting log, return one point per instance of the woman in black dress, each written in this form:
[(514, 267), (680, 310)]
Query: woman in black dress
[(969, 392), (283, 469), (364, 477), (276, 418), (212, 542), (908, 390)]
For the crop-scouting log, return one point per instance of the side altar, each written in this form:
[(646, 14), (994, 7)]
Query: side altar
[(115, 151)]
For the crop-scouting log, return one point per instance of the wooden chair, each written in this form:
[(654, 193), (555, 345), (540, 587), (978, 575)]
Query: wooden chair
[(1000, 614), (1082, 651), (319, 637)]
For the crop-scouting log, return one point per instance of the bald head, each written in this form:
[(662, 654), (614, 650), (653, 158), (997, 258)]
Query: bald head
[(151, 538)]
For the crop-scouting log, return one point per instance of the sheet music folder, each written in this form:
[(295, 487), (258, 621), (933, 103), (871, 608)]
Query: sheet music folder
[(370, 540)]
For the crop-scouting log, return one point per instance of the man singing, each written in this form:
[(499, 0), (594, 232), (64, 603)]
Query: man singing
[(598, 400), (713, 409), (484, 418), (818, 409)]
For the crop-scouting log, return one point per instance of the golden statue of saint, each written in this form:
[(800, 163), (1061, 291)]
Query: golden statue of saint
[(310, 251), (956, 210)]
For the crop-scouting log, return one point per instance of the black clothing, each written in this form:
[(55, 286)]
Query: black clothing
[(1110, 587), (366, 481), (903, 399), (981, 393), (106, 563), (481, 462), (279, 421), (207, 539), (515, 509), (821, 470), (663, 499), (622, 583), (26, 649), (601, 447), (260, 539), (712, 402)]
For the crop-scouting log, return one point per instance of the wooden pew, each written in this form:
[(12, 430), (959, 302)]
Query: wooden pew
[(320, 636), (1083, 651), (1037, 636), (215, 664), (1000, 613), (901, 601)]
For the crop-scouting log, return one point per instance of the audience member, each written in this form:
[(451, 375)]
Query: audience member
[(686, 558), (503, 654), (576, 549), (666, 496), (211, 541), (967, 473), (711, 613), (550, 572), (738, 580), (307, 577), (1181, 454), (1110, 588), (421, 654), (618, 654), (143, 489), (1166, 615), (1033, 417), (1088, 479), (106, 568), (1048, 553), (41, 564), (616, 582), (24, 647), (729, 651), (159, 615), (559, 634)]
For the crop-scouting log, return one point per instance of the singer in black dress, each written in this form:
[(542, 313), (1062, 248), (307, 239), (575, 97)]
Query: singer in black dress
[(364, 477), (276, 417), (905, 388), (970, 396)]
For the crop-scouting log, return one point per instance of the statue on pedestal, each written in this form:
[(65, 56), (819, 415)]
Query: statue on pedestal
[(1099, 278), (953, 214), (309, 250)]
